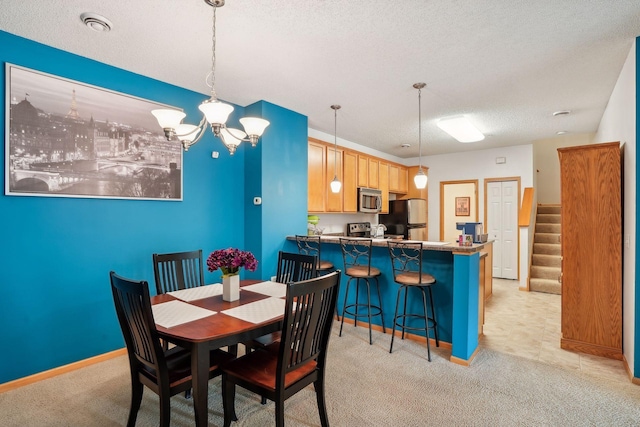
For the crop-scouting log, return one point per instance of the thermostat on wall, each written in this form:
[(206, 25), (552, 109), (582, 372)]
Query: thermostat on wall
[(257, 201)]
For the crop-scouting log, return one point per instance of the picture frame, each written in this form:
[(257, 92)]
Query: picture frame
[(463, 206), (65, 138)]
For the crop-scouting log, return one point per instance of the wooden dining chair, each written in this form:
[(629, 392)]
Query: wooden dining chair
[(179, 270), (165, 372), (301, 355)]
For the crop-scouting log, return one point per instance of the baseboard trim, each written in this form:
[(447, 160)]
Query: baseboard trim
[(21, 382), (407, 335), (634, 380), (464, 362)]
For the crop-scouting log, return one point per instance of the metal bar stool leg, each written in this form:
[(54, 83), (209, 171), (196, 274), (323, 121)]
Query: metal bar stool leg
[(433, 314), (369, 309), (426, 321), (344, 305), (404, 310), (395, 318), (355, 317), (380, 303)]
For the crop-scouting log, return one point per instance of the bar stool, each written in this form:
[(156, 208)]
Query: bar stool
[(310, 245), (356, 254), (406, 261)]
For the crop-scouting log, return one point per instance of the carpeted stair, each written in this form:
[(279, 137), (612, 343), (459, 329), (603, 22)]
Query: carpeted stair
[(546, 262)]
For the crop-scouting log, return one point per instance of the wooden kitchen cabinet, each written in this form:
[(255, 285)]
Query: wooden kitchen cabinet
[(350, 183), (591, 212), (383, 175), (397, 179), (316, 182), (373, 173), (334, 200), (363, 170)]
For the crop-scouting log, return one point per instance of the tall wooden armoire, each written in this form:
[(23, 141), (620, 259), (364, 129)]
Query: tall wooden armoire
[(591, 206)]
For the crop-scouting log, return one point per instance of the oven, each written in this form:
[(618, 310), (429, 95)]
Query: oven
[(359, 229), (369, 200)]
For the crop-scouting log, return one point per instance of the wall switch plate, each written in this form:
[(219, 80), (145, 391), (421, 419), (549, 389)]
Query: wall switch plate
[(501, 160), (257, 201)]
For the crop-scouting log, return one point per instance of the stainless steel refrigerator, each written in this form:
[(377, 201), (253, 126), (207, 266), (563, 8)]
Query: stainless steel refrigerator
[(407, 218)]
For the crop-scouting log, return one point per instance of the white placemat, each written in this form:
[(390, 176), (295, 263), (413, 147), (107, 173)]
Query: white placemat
[(173, 313), (273, 289), (259, 311), (199, 292)]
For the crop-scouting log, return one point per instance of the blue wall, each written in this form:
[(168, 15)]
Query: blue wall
[(56, 306), (277, 171)]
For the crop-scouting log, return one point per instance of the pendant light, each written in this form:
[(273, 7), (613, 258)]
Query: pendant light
[(215, 112), (420, 179), (335, 184)]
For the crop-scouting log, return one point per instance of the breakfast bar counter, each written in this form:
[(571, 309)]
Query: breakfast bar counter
[(456, 293)]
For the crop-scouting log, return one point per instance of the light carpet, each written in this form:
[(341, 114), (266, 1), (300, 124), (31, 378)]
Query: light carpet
[(366, 386)]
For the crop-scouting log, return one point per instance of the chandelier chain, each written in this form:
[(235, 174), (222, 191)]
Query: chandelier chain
[(213, 56)]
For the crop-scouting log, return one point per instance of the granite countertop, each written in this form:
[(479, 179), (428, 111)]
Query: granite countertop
[(427, 245)]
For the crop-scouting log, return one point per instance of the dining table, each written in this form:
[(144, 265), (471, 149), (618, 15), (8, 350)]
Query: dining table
[(212, 323)]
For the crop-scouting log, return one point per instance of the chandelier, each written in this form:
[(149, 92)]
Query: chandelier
[(420, 179), (215, 113)]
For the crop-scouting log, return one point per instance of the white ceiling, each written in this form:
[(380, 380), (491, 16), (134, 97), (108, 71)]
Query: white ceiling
[(505, 64)]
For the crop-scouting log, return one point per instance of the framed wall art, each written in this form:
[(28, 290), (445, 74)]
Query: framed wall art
[(462, 206), (69, 139)]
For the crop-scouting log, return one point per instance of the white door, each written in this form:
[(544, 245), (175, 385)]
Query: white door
[(502, 226)]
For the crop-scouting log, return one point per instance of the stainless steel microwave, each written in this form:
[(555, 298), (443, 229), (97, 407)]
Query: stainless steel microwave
[(369, 200)]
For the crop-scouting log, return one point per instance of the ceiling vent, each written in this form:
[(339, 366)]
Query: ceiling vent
[(96, 22)]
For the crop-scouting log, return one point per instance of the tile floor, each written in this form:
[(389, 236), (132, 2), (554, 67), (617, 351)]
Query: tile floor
[(527, 324)]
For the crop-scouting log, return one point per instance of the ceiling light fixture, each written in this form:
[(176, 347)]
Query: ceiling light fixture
[(420, 179), (96, 22), (461, 129), (214, 112), (562, 113), (335, 184)]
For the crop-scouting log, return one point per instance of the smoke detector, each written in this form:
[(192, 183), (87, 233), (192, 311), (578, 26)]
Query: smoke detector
[(405, 145), (96, 22)]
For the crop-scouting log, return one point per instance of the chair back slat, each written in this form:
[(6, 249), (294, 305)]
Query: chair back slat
[(356, 253), (176, 271), (309, 313), (133, 307), (294, 267)]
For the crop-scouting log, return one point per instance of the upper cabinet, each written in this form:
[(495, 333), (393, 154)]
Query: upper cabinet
[(316, 177), (353, 169), (334, 169), (397, 179), (350, 182)]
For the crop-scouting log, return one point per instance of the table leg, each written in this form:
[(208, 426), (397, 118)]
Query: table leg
[(200, 374)]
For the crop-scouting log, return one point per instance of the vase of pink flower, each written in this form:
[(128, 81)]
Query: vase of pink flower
[(229, 261)]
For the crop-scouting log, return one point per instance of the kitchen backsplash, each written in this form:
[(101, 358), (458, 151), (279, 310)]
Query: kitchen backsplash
[(337, 223)]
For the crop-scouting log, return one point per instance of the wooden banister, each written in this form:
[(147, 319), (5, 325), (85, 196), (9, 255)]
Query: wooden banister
[(524, 217)]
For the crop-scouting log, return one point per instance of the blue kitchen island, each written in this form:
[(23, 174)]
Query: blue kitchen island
[(456, 294)]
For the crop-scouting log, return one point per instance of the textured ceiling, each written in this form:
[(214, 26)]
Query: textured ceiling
[(505, 64)]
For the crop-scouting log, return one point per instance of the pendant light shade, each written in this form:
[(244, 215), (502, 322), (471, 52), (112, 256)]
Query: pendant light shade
[(335, 184), (420, 179)]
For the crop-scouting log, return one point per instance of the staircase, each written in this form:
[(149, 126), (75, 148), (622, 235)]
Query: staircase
[(546, 262)]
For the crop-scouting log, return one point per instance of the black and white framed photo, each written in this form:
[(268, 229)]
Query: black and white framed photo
[(69, 139)]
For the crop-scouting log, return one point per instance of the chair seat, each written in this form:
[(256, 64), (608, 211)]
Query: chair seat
[(259, 367), (413, 278), (362, 271), (324, 265), (179, 364)]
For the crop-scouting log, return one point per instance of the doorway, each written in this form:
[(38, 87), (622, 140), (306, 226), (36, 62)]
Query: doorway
[(458, 203), (502, 199)]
